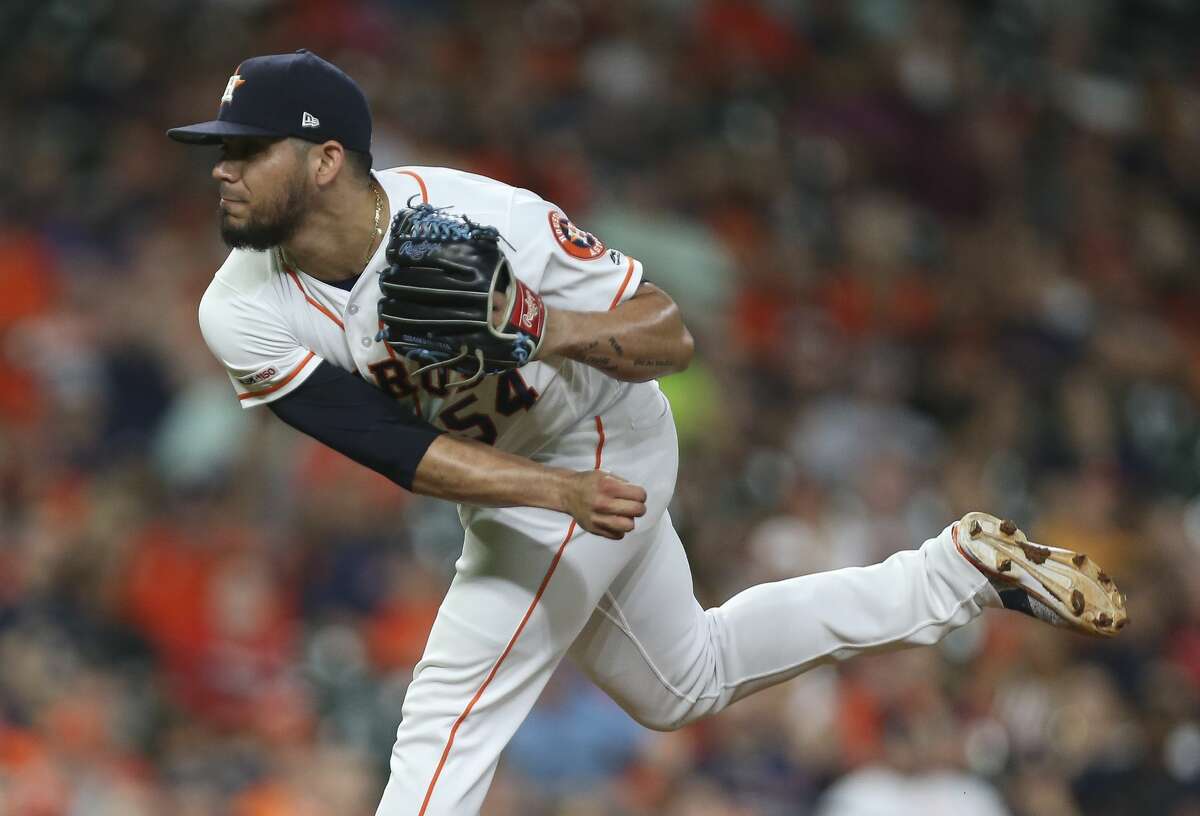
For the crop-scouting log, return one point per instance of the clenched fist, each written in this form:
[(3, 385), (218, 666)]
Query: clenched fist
[(604, 504)]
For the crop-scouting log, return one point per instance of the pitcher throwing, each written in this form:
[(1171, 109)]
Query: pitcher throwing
[(487, 349)]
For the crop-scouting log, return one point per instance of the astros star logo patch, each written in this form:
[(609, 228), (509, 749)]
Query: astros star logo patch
[(576, 242)]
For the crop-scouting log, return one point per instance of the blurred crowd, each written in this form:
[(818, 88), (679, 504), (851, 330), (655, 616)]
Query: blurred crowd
[(938, 256)]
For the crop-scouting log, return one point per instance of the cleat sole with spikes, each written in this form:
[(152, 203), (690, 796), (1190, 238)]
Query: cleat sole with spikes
[(1070, 585)]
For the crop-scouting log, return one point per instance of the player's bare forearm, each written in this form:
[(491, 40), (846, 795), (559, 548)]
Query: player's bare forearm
[(465, 471), (470, 472), (642, 339)]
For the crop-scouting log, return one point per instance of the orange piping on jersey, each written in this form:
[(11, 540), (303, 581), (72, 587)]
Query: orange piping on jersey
[(296, 279), (420, 183), (291, 375), (600, 444), (624, 284), (520, 628)]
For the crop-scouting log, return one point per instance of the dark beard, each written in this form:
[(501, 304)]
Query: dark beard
[(262, 233)]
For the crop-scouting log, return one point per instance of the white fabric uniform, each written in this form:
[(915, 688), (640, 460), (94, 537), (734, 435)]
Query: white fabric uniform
[(532, 586)]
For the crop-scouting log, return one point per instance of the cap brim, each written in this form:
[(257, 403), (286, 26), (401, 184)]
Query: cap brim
[(214, 131)]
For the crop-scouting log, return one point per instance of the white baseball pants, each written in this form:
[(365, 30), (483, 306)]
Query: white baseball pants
[(532, 587)]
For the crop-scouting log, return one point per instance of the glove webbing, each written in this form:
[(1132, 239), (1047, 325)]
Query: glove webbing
[(429, 223)]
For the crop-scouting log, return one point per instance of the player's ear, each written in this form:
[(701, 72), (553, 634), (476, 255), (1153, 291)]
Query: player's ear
[(326, 162)]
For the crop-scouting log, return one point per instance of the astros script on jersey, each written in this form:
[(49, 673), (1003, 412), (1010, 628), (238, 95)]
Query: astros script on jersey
[(270, 324)]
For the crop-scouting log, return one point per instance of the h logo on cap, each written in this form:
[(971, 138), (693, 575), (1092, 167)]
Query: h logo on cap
[(234, 82), (309, 121)]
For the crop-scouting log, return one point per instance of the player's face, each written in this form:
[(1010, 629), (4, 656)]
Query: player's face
[(264, 191)]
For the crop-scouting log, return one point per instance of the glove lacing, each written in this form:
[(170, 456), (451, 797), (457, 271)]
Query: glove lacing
[(430, 223)]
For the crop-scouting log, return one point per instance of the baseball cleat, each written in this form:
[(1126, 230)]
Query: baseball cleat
[(1054, 585)]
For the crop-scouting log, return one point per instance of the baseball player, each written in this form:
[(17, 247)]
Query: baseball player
[(488, 350)]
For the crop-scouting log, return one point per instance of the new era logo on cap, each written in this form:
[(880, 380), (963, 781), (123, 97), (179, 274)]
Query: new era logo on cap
[(310, 121)]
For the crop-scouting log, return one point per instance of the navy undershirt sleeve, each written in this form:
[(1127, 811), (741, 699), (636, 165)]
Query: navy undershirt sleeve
[(358, 420)]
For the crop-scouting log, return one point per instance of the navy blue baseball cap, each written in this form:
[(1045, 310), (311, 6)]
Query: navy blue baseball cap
[(297, 95)]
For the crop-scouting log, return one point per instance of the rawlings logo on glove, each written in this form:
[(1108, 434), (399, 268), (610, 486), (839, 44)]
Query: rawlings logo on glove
[(528, 313), (416, 251), (445, 276)]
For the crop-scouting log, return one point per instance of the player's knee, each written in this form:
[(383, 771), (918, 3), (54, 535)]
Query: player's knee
[(657, 721), (669, 716)]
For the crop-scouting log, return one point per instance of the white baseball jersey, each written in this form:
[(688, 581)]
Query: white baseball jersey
[(270, 324), (530, 586)]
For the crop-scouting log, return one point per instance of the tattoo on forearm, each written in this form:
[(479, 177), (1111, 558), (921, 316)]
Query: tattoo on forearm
[(601, 362), (596, 360), (593, 356)]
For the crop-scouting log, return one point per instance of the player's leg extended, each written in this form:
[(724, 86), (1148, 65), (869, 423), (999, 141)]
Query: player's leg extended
[(668, 662), (525, 586)]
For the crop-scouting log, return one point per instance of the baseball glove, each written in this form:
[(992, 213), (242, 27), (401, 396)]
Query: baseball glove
[(445, 276)]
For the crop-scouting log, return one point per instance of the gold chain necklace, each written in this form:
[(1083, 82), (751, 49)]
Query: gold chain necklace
[(377, 231)]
